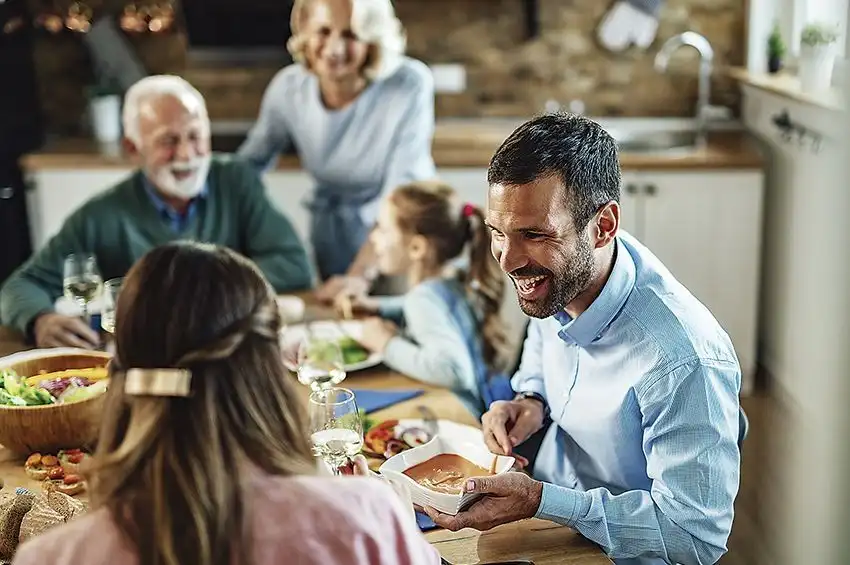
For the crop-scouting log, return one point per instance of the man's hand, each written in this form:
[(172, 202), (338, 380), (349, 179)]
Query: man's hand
[(507, 498), (509, 423), (56, 330), (376, 334), (336, 285)]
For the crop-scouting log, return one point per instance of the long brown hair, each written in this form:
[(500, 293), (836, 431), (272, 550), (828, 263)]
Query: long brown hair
[(171, 470), (431, 210)]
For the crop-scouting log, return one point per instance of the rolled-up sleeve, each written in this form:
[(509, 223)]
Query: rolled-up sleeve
[(690, 443)]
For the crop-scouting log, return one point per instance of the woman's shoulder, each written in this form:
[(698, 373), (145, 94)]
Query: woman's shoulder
[(411, 74), (76, 542), (290, 78)]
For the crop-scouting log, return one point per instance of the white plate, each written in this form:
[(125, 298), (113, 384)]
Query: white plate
[(293, 335)]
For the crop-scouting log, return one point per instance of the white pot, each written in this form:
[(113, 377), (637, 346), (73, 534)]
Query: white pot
[(105, 114), (815, 68)]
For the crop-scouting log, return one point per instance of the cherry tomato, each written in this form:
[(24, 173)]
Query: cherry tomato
[(56, 473), (75, 457), (72, 479), (73, 451)]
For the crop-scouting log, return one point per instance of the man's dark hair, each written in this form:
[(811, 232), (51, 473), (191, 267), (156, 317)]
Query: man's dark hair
[(582, 154)]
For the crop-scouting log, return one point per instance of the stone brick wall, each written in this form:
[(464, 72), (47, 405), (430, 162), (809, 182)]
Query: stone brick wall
[(507, 73)]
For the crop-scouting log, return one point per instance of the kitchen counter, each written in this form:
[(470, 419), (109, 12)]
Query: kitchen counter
[(457, 143)]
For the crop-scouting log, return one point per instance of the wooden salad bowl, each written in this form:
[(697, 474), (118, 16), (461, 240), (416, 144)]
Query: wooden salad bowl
[(48, 428)]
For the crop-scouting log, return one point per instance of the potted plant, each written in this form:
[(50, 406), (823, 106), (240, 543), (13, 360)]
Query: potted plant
[(775, 50), (817, 56), (105, 110)]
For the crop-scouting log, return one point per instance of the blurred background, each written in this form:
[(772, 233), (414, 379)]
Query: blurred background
[(734, 151)]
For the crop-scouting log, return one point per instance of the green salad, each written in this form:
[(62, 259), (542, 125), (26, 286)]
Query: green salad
[(352, 352), (14, 391)]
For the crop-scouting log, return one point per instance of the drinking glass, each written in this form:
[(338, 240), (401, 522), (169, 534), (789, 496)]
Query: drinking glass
[(81, 281), (319, 362), (336, 430), (111, 288)]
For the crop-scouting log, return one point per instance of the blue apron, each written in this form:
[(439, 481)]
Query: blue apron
[(492, 385), (339, 226)]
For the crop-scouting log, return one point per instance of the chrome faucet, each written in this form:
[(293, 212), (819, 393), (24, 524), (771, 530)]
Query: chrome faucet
[(704, 111)]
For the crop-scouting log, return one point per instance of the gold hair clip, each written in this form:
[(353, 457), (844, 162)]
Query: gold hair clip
[(158, 382)]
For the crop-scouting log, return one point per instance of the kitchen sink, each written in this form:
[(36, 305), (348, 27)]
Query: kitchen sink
[(658, 141)]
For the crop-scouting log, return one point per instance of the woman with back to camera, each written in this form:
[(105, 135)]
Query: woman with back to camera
[(360, 115), (203, 455)]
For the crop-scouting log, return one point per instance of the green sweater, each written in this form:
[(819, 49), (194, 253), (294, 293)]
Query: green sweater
[(122, 224)]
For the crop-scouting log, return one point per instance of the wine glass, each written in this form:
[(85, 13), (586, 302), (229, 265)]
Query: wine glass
[(336, 429), (319, 362), (81, 281), (111, 288)]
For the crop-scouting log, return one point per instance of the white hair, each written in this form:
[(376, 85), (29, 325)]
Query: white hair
[(374, 22), (152, 87)]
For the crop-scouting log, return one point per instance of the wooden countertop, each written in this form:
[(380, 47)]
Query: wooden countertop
[(542, 542), (457, 143)]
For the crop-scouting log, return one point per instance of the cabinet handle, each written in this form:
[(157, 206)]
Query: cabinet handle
[(6, 193), (631, 188), (651, 189)]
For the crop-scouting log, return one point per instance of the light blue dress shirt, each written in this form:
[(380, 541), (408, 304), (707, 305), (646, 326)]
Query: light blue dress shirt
[(176, 221), (642, 455)]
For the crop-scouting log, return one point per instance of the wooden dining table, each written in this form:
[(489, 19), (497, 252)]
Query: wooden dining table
[(538, 541)]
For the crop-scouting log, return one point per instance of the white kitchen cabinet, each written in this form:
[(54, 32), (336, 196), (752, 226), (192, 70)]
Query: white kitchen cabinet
[(705, 226), (630, 218), (58, 192), (288, 190)]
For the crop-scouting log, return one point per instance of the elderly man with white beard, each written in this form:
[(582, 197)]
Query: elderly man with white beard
[(180, 191)]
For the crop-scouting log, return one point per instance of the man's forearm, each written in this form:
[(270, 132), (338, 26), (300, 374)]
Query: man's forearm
[(632, 525)]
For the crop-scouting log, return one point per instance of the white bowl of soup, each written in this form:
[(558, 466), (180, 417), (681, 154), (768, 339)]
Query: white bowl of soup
[(436, 471)]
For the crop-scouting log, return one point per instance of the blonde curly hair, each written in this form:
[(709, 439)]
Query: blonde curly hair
[(373, 21)]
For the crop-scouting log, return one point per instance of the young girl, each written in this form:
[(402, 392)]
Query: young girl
[(452, 334)]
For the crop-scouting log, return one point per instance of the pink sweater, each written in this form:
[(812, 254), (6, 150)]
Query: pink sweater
[(299, 521)]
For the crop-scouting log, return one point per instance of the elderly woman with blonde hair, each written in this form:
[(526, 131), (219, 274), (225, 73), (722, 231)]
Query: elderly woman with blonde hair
[(360, 115)]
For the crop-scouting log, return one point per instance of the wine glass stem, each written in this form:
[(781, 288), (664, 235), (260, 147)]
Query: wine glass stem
[(86, 315)]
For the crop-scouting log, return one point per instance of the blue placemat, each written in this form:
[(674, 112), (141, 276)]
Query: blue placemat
[(425, 522), (371, 400)]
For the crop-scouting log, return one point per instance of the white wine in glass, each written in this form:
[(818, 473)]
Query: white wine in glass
[(81, 281), (336, 429), (111, 288)]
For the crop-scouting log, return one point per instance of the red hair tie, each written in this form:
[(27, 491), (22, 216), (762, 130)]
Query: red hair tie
[(468, 210)]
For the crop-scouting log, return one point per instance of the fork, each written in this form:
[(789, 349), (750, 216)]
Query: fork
[(429, 418)]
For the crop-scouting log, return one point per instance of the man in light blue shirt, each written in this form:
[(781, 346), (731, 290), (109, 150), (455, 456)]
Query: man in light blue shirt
[(640, 381)]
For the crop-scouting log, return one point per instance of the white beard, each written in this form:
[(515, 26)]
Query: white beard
[(188, 187)]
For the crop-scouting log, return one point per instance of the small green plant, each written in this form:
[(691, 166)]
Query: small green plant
[(818, 35), (775, 45)]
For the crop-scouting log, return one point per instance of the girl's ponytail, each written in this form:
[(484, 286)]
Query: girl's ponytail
[(485, 283)]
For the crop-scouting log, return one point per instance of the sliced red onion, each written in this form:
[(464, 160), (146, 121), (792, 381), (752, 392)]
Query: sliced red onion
[(415, 436), (394, 447)]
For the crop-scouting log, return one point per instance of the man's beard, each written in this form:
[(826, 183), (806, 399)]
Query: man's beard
[(564, 286), (186, 188)]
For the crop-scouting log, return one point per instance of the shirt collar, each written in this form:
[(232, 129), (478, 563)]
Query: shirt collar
[(161, 205), (589, 325)]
